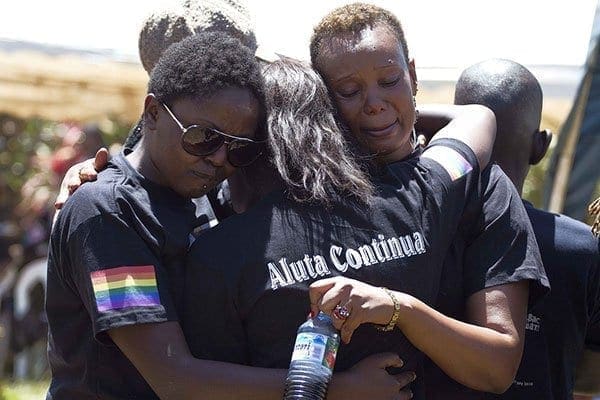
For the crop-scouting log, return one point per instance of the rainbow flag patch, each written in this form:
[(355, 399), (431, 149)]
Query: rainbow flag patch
[(452, 161), (123, 287)]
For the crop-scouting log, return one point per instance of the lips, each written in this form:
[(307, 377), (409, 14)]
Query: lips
[(381, 131), (203, 175)]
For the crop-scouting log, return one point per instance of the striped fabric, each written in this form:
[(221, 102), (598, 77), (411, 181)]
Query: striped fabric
[(452, 161), (126, 286)]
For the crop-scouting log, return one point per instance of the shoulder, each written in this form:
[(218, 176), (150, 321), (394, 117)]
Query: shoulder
[(89, 201), (564, 233), (496, 182), (104, 197), (238, 232), (456, 158)]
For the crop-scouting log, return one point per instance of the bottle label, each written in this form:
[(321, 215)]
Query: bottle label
[(316, 347)]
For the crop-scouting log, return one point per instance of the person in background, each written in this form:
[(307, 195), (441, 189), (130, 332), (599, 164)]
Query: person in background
[(565, 324)]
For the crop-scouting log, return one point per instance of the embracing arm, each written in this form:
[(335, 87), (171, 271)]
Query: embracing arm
[(472, 124), (483, 355), (161, 355)]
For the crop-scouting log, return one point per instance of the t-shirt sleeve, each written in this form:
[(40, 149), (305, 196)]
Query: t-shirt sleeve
[(119, 279), (502, 247), (454, 172)]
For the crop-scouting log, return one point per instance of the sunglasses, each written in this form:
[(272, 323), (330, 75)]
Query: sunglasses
[(201, 140)]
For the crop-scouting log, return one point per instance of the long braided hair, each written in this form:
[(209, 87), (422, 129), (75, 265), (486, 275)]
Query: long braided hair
[(594, 210)]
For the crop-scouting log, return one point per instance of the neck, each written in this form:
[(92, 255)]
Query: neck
[(140, 160), (515, 172), (247, 192)]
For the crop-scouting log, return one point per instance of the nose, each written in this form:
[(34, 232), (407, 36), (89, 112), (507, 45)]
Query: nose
[(219, 157), (373, 104)]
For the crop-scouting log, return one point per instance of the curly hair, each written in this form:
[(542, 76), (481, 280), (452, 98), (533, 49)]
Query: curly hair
[(170, 25), (352, 19), (203, 64), (594, 210), (307, 147)]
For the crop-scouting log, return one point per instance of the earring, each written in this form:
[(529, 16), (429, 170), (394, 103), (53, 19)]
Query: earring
[(416, 109)]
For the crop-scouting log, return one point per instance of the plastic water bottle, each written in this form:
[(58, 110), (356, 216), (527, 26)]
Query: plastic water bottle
[(313, 359)]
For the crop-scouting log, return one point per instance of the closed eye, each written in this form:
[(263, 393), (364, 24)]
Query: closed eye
[(390, 82), (349, 94)]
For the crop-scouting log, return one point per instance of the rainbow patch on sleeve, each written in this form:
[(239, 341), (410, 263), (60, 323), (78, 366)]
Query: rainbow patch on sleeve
[(452, 161), (123, 287)]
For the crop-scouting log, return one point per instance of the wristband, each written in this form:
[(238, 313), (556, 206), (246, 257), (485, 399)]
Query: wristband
[(392, 324)]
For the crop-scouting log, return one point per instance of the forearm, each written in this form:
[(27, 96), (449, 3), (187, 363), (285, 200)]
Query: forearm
[(203, 379), (478, 357), (161, 355), (473, 125)]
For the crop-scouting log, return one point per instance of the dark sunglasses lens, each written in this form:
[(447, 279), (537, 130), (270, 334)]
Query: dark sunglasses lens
[(242, 154), (201, 141)]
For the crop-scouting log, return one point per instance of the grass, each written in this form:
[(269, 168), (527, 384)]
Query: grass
[(23, 390)]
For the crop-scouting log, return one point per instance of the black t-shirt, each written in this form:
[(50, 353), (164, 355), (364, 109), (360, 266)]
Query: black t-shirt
[(247, 279), (568, 319), (495, 244), (116, 258)]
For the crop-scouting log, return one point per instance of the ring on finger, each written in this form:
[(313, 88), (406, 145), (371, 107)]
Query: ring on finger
[(341, 312)]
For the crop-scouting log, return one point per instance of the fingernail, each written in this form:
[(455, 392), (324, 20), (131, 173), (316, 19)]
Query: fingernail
[(401, 362), (414, 376), (410, 394)]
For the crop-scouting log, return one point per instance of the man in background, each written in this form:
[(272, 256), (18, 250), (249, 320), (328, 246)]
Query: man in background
[(566, 324)]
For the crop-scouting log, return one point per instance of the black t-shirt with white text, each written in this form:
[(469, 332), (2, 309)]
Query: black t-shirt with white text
[(116, 258), (495, 245), (562, 325), (247, 279)]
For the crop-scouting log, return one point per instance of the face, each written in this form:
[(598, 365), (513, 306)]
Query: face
[(373, 87), (234, 111)]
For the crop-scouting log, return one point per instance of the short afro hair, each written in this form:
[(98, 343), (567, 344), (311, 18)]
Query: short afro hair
[(170, 25), (352, 19), (201, 65)]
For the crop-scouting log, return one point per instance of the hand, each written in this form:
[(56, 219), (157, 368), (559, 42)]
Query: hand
[(369, 379), (365, 303), (80, 173)]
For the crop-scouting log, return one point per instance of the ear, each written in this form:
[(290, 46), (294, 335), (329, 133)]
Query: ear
[(151, 108), (413, 76), (539, 146)]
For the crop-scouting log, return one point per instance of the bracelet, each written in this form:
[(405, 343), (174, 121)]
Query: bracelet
[(392, 324)]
